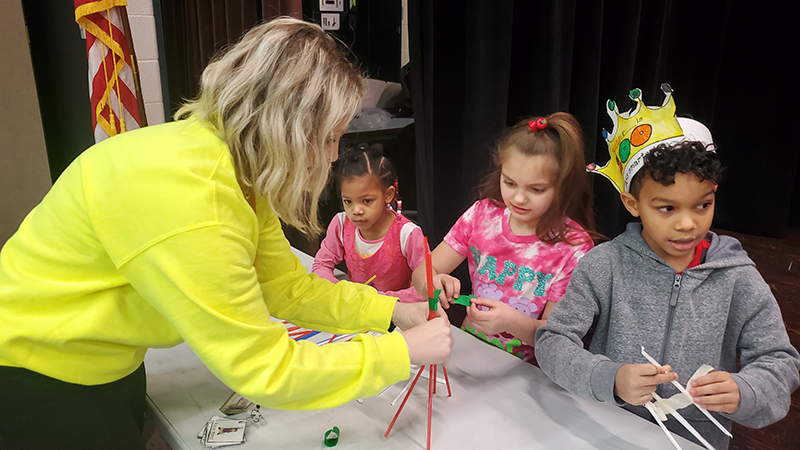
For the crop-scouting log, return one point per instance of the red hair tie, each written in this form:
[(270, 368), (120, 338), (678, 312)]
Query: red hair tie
[(538, 124)]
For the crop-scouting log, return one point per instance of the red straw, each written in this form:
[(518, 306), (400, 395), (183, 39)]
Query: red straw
[(447, 380), (435, 374), (386, 435), (430, 401), (429, 275)]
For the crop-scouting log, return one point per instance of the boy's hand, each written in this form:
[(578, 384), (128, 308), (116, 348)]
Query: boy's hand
[(716, 391), (450, 286), (635, 383), (492, 321)]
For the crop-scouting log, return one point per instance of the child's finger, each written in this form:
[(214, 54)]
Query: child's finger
[(648, 369), (474, 313), (453, 288), (664, 378), (713, 377), (721, 387), (728, 402), (483, 301)]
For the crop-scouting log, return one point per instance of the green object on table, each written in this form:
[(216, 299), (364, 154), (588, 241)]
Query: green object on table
[(331, 437), (433, 302), (463, 300)]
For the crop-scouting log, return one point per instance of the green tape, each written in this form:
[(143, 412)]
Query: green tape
[(331, 437), (433, 302), (463, 300)]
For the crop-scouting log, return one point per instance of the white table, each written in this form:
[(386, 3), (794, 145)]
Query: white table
[(498, 402)]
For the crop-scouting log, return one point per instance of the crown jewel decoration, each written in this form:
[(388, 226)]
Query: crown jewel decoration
[(636, 133)]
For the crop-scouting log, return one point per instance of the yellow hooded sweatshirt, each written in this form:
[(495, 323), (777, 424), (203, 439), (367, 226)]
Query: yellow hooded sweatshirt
[(146, 240)]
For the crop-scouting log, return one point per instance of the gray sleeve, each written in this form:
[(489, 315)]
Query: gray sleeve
[(559, 346), (769, 362)]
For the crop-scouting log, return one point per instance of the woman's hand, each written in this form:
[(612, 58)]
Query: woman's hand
[(409, 315), (431, 342), (497, 319)]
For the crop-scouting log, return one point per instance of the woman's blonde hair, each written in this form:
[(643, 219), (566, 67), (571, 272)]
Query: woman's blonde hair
[(276, 98)]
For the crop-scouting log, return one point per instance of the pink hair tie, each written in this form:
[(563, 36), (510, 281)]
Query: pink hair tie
[(538, 124)]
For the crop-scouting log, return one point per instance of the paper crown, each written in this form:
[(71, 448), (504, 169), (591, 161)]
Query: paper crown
[(635, 134)]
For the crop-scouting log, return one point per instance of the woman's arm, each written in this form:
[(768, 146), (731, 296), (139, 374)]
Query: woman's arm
[(203, 281)]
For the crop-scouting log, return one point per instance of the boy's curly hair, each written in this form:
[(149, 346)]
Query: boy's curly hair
[(665, 161)]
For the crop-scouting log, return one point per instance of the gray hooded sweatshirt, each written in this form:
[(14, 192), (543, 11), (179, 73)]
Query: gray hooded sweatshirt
[(701, 316)]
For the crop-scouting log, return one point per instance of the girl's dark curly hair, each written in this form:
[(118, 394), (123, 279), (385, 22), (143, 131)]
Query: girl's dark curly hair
[(665, 161), (365, 160)]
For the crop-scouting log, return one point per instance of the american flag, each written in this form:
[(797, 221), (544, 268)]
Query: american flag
[(111, 78)]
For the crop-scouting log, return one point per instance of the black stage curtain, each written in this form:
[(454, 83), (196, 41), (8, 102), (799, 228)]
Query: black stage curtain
[(479, 66), (194, 30)]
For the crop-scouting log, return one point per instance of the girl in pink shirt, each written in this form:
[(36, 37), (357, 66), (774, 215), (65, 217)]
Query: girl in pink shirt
[(524, 237), (380, 246)]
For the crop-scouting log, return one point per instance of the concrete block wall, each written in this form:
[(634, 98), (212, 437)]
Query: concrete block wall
[(145, 44)]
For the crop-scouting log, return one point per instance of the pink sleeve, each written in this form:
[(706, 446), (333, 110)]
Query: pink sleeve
[(559, 286), (415, 255), (330, 253), (415, 248), (458, 236)]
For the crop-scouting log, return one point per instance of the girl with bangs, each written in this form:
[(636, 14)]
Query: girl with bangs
[(523, 238)]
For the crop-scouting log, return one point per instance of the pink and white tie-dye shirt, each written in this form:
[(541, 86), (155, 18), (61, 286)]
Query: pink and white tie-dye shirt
[(521, 271)]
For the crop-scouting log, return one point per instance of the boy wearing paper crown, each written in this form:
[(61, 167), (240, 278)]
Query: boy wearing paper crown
[(672, 289)]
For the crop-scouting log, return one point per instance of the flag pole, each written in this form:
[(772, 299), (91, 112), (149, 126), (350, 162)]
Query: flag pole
[(134, 63)]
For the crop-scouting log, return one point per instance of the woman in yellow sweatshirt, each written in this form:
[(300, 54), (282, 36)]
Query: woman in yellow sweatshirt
[(172, 233)]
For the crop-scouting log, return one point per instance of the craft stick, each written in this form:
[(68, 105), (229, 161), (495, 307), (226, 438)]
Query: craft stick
[(446, 380), (651, 408), (404, 402), (431, 384), (370, 279), (686, 425), (684, 391), (403, 391)]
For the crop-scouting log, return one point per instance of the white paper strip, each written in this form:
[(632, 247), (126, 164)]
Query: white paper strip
[(682, 421), (685, 392)]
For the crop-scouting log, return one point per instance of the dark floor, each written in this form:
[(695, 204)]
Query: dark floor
[(775, 259)]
